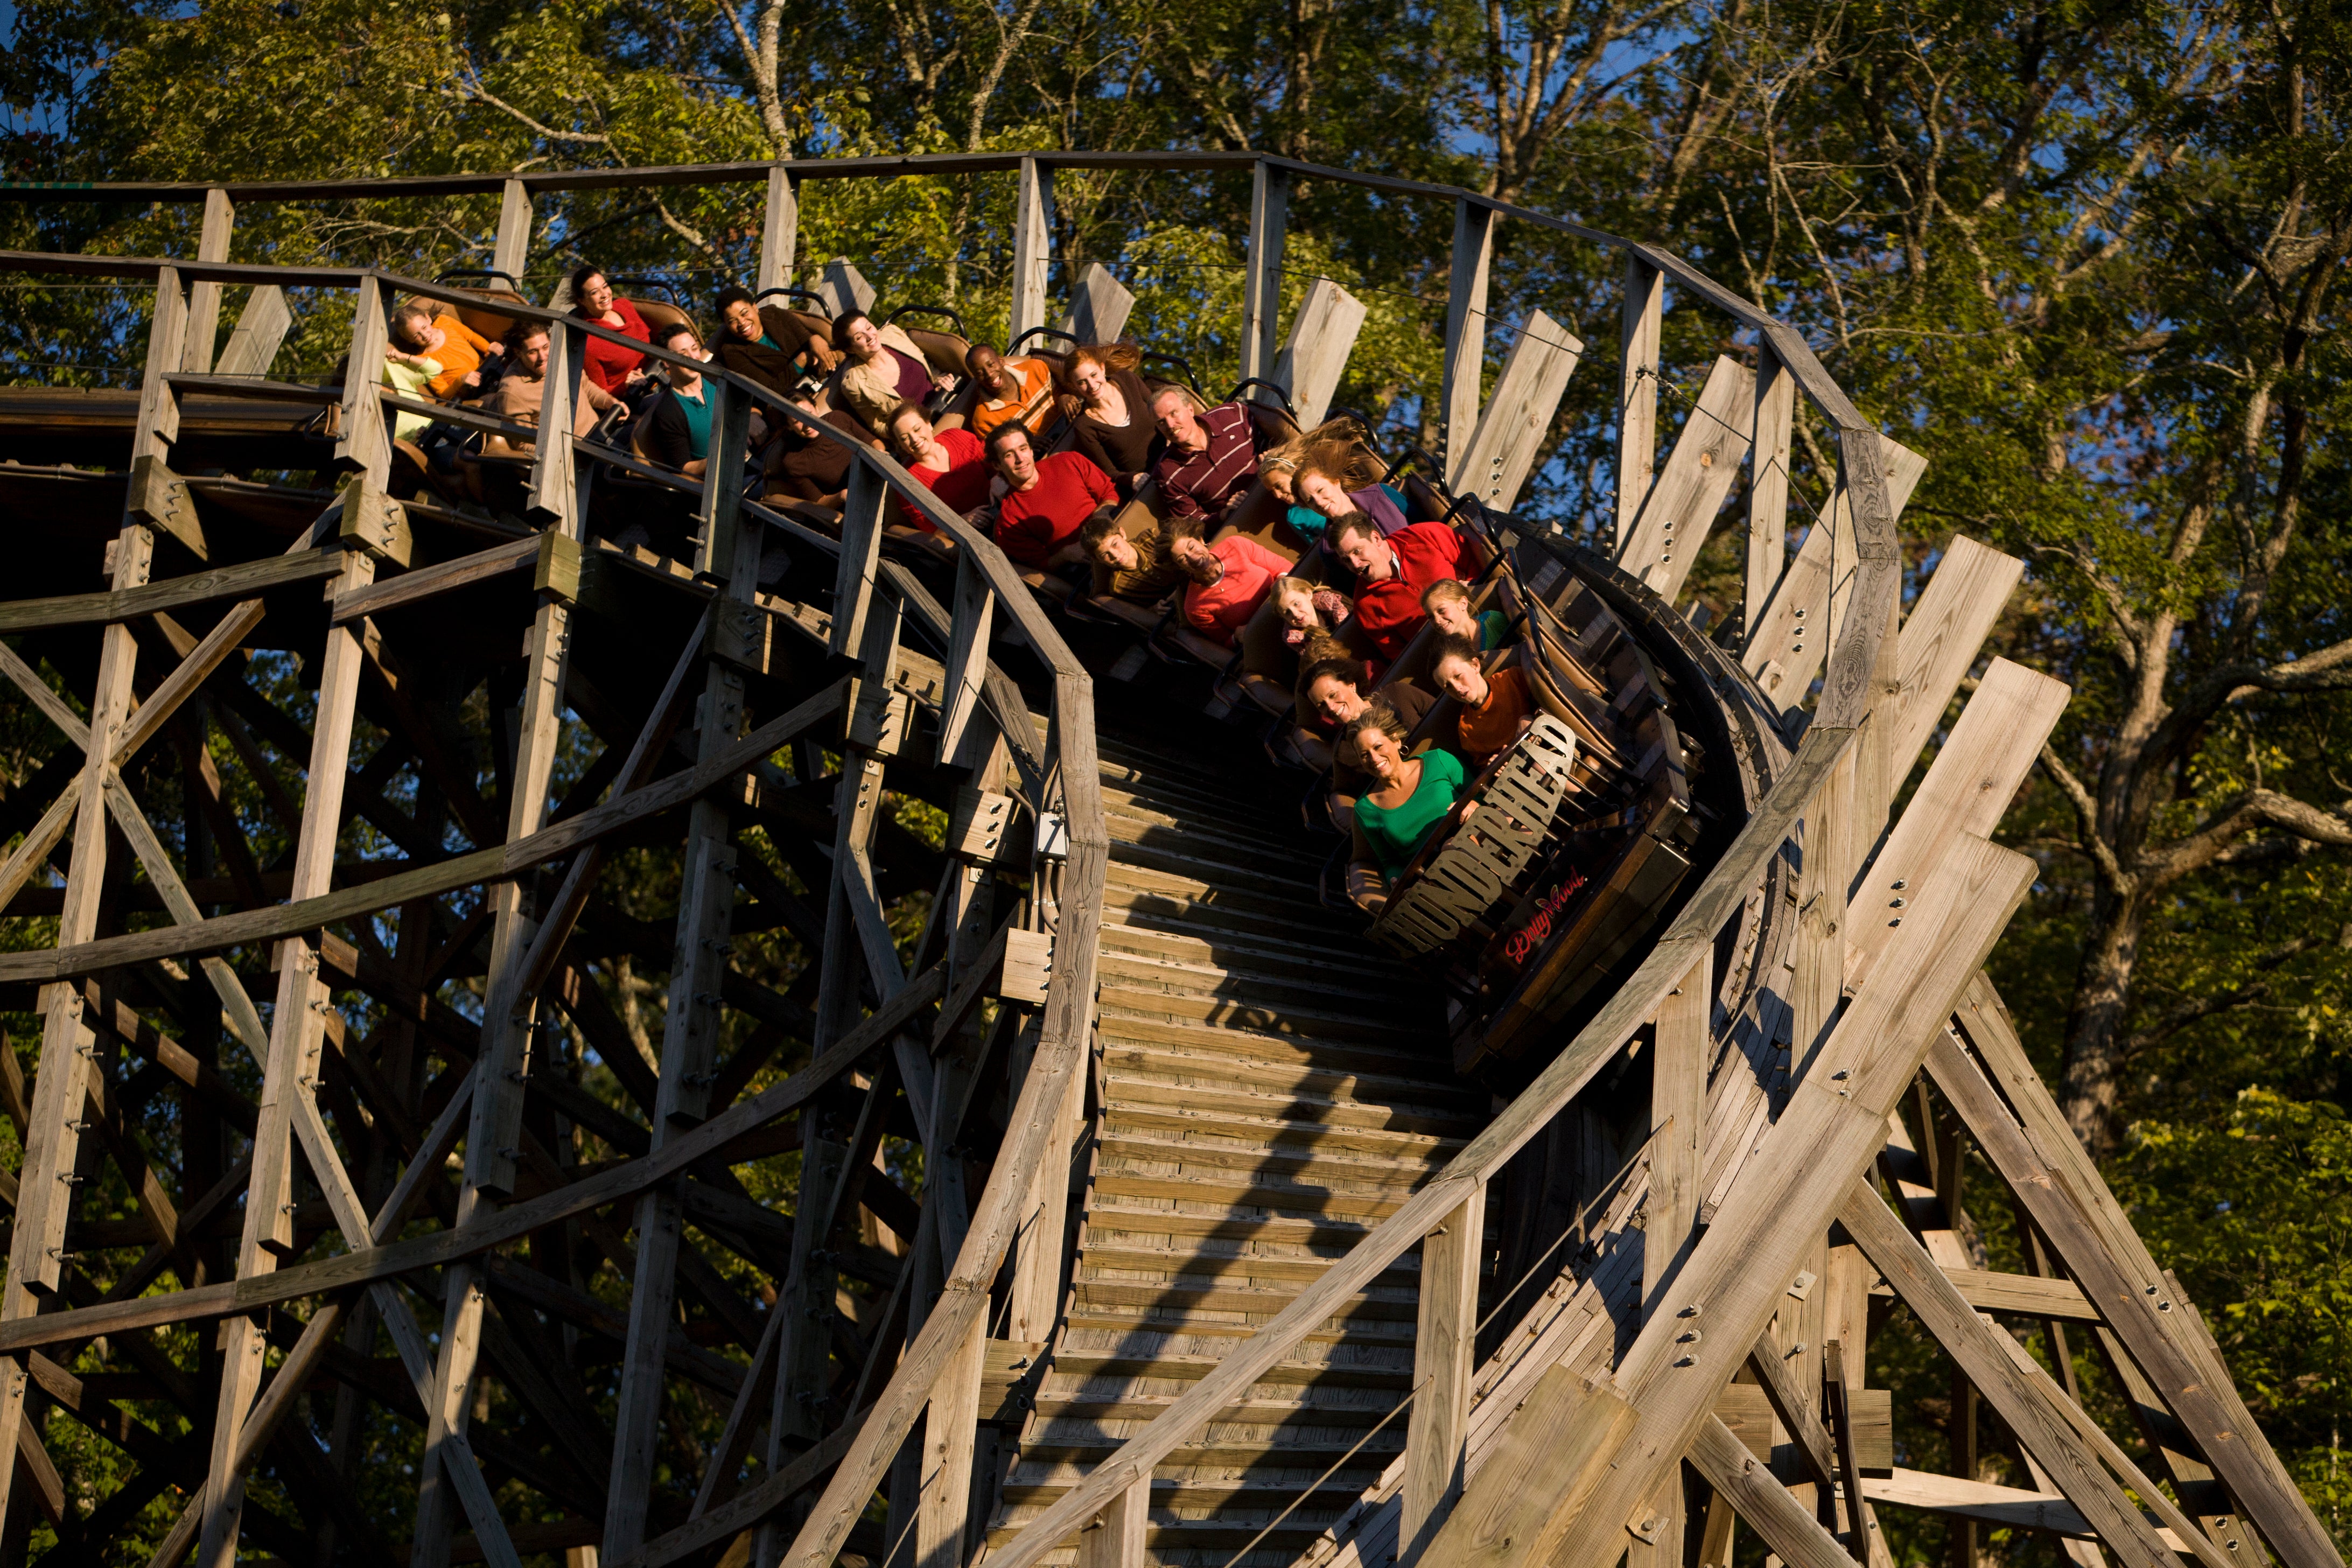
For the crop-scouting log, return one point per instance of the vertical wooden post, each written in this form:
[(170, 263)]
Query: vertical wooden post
[(1821, 884), (60, 1087), (1499, 455), (512, 250), (296, 1032), (1637, 398), (1261, 284), (1465, 332), (1767, 483), (692, 1021), (205, 299), (862, 511), (967, 666), (1036, 1295), (1100, 304), (947, 1430), (1115, 1540), (1442, 1374), (779, 230), (1032, 244), (1678, 1127)]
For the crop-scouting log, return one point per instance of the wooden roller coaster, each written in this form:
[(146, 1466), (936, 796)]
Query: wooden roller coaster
[(1027, 1157)]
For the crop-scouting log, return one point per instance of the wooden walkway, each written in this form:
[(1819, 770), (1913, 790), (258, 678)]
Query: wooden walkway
[(1270, 1087)]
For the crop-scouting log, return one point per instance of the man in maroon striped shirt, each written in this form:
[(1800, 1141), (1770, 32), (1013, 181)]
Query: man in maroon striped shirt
[(1210, 461)]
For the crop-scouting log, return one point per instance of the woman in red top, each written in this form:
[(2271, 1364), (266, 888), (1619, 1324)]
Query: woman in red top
[(611, 366), (951, 461)]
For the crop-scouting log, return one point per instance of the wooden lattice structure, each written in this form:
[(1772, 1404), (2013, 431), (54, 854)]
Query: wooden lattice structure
[(1210, 1255)]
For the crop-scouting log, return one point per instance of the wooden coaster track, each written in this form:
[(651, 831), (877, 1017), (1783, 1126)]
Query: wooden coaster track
[(1139, 1209)]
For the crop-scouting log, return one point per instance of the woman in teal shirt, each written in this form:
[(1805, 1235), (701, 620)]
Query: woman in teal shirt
[(1410, 798)]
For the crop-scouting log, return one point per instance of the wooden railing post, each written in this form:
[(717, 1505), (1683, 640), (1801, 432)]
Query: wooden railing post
[(1677, 1127), (1465, 332), (1032, 244), (1637, 398), (205, 299), (512, 250), (1115, 1538), (1437, 1435), (779, 230), (1767, 483), (1261, 284)]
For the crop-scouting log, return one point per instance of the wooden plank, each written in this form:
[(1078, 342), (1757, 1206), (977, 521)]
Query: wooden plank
[(1443, 1374), (1032, 244), (206, 587), (1832, 1127), (948, 1432), (1840, 1421), (1261, 267), (1315, 356), (428, 580), (495, 863), (260, 331), (1503, 449), (862, 513), (1551, 1456), (1460, 393), (1688, 492), (2010, 1506), (205, 298), (1939, 644), (1793, 1406), (1967, 790), (1767, 484), (1684, 1050), (779, 230), (1637, 394), (1115, 1537), (1805, 613), (1786, 1525), (555, 497), (1099, 306), (510, 248), (2057, 1185), (967, 665), (844, 288), (1970, 1342)]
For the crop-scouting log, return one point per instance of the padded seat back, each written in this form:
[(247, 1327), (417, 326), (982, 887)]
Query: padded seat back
[(944, 351), (484, 318), (786, 325)]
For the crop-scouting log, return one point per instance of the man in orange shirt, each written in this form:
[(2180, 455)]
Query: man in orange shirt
[(1009, 389), (1497, 709)]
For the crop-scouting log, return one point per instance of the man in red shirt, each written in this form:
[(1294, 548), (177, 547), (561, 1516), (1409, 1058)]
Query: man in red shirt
[(1391, 573), (1230, 579), (1047, 499), (1211, 457)]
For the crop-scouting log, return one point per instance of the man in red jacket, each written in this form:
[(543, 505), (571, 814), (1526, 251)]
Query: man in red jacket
[(1392, 574), (1230, 579), (1047, 499)]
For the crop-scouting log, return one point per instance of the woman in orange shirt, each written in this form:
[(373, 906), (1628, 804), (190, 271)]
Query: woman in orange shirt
[(1497, 709)]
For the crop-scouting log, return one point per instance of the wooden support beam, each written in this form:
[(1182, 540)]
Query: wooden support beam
[(947, 1431), (1787, 1526), (2026, 1140), (1767, 481), (1683, 1047), (779, 230), (1443, 1374), (205, 298), (844, 287), (1502, 451), (863, 510), (1955, 613), (1032, 244), (259, 332), (1637, 396), (1115, 1539), (1683, 502), (510, 250), (1261, 276), (1551, 1456), (2025, 1407), (967, 666), (1833, 1125), (1315, 356), (1099, 306), (1839, 1410), (1460, 390)]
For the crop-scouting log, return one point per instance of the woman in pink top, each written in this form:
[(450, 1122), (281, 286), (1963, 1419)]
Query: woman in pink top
[(1230, 579)]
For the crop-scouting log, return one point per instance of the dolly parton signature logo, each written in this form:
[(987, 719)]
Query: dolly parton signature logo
[(1491, 851), (1532, 935)]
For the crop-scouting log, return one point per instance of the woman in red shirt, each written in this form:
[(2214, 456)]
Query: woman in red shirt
[(610, 366), (950, 461)]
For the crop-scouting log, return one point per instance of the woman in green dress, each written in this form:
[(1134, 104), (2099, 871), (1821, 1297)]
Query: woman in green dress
[(1410, 800)]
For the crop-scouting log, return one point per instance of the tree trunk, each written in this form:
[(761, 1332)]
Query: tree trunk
[(2090, 1081)]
